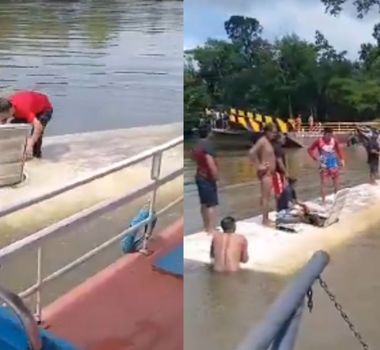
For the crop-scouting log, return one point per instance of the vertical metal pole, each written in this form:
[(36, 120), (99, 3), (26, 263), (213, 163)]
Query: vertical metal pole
[(23, 160), (39, 282), (286, 339), (262, 337), (155, 176)]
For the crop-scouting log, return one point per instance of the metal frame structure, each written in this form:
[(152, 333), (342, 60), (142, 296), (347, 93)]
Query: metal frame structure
[(37, 239), (278, 330)]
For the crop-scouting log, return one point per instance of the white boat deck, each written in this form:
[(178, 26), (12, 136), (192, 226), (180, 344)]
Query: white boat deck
[(280, 252), (68, 157)]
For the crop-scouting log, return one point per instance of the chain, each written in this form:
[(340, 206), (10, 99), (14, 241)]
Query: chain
[(309, 296), (344, 316)]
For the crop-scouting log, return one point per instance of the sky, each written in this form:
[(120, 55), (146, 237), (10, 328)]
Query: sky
[(205, 19)]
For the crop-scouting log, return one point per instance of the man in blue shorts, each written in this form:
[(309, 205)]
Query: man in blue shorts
[(206, 179)]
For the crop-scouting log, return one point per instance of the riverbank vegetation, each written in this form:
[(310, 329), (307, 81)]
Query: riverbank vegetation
[(284, 77)]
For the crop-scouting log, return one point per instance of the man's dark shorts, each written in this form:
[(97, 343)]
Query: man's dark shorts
[(45, 117), (208, 191), (373, 167)]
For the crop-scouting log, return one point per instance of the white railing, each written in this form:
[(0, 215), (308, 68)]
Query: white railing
[(37, 239)]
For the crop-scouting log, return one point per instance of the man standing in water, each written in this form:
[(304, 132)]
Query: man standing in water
[(298, 123), (228, 249), (373, 151), (330, 159), (206, 179), (28, 107), (263, 156)]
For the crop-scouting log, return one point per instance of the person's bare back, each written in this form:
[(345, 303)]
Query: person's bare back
[(228, 249)]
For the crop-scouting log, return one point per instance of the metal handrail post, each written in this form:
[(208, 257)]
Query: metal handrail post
[(38, 311), (155, 176), (286, 340), (286, 304)]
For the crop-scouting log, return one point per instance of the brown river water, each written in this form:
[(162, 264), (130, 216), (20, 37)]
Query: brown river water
[(219, 310)]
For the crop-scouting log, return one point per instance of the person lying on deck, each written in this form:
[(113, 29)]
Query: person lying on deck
[(291, 210), (228, 249)]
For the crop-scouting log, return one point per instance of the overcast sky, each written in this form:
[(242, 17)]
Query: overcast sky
[(205, 18)]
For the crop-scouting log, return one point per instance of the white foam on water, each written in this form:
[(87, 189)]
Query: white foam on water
[(69, 157), (279, 252)]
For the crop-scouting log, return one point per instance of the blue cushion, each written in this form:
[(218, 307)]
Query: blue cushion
[(172, 262)]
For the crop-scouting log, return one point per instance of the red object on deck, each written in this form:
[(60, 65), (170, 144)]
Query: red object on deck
[(127, 306)]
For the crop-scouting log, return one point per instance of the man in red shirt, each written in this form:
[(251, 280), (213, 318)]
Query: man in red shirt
[(330, 159), (28, 107), (206, 179)]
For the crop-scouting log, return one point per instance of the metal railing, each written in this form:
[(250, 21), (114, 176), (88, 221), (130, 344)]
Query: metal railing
[(278, 331), (338, 127), (37, 239)]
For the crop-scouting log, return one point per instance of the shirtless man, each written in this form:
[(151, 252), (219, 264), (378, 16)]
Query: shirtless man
[(263, 156), (228, 249)]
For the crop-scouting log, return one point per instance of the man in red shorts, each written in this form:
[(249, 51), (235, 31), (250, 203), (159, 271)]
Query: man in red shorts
[(28, 107), (263, 156), (330, 159)]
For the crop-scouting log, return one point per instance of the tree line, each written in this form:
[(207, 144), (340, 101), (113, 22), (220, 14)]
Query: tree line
[(284, 77)]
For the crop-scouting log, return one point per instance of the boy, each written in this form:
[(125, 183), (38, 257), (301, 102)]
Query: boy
[(228, 249)]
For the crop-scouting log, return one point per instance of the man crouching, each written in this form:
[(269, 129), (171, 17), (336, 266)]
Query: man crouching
[(228, 249)]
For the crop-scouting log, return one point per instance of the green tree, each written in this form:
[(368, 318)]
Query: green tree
[(196, 97), (335, 7), (245, 33), (218, 59), (284, 77)]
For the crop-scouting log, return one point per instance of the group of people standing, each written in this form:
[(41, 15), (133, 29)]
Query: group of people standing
[(268, 157), (296, 124)]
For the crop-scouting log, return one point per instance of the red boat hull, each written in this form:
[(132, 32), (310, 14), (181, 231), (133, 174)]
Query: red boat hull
[(129, 305)]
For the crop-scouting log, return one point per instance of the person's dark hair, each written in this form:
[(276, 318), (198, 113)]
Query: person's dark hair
[(269, 127), (228, 224), (328, 130), (203, 131), (5, 105), (292, 180)]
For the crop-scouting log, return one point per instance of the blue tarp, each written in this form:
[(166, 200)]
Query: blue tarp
[(13, 337), (171, 262)]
